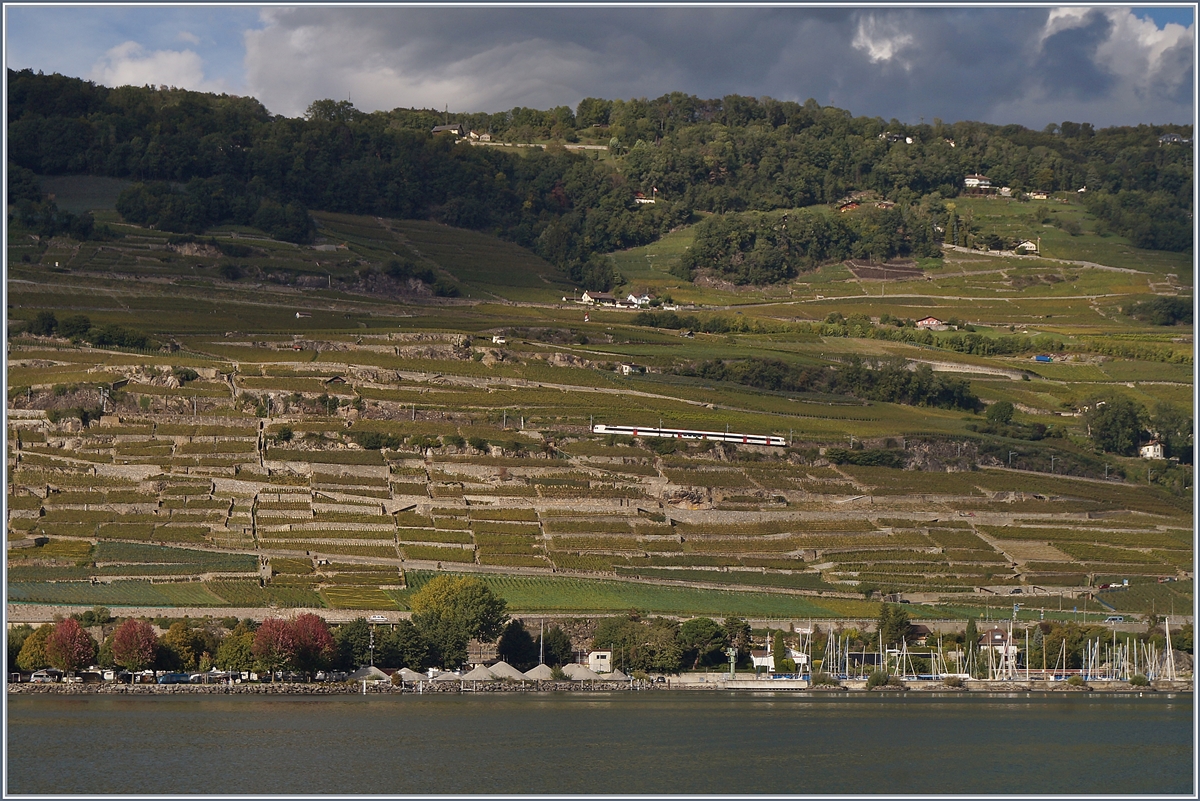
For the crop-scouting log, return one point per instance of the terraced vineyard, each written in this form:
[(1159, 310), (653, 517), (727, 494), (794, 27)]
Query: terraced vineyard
[(329, 447)]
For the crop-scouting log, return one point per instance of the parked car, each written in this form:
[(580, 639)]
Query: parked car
[(1115, 619), (46, 676)]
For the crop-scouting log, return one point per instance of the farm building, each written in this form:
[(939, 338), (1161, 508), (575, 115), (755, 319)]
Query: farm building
[(455, 129), (931, 324)]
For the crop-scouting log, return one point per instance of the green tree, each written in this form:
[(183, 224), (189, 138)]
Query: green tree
[(236, 651), (893, 624), (1114, 424), (702, 642), (33, 650), (448, 612), (556, 647), (778, 651), (738, 635), (16, 638), (403, 647), (517, 647), (353, 642), (1000, 412)]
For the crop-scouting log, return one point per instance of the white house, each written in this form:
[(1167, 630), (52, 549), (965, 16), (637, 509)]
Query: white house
[(765, 659), (1028, 245), (600, 661), (976, 181), (1038, 194), (498, 340), (639, 300), (999, 641), (931, 324), (1152, 450)]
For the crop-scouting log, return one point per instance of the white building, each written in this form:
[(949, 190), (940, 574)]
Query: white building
[(600, 661), (1152, 450), (976, 181)]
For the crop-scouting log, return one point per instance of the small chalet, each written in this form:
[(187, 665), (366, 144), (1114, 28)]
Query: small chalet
[(1038, 194), (931, 324), (1152, 450), (335, 381), (641, 300), (480, 136), (599, 298), (1028, 245), (918, 634), (639, 197), (631, 369), (976, 181), (455, 129)]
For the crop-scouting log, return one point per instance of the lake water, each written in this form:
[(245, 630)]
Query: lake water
[(611, 743)]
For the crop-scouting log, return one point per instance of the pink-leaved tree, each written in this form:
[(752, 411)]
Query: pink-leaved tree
[(69, 647), (134, 645), (274, 644)]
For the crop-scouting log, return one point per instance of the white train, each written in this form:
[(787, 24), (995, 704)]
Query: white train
[(685, 433)]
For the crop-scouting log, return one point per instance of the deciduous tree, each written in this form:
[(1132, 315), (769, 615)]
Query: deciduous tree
[(274, 644), (33, 650), (69, 647), (314, 646), (134, 645)]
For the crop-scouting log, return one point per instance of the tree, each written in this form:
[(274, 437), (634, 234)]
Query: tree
[(1114, 424), (448, 612), (516, 646), (404, 647), (1174, 428), (737, 634), (313, 644), (1000, 412), (353, 642), (237, 651), (971, 643), (33, 650), (893, 624), (556, 647), (177, 649), (69, 647), (702, 641), (778, 652), (274, 644), (16, 638), (134, 645)]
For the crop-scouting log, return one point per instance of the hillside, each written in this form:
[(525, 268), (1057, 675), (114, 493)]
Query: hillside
[(348, 432)]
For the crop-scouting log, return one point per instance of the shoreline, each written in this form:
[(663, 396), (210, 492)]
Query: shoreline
[(550, 686)]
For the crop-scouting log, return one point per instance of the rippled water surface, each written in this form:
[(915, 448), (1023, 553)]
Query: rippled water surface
[(657, 742)]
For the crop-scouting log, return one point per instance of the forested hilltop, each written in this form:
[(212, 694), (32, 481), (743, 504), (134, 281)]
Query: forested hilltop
[(202, 159)]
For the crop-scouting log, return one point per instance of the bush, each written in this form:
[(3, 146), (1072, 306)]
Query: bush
[(1138, 680), (1075, 681), (824, 679), (952, 681), (880, 679)]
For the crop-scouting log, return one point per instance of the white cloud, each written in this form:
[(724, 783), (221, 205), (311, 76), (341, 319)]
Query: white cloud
[(882, 40), (130, 64), (188, 37), (1135, 49)]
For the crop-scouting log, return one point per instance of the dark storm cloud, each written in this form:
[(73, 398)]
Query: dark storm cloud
[(997, 64), (1065, 65)]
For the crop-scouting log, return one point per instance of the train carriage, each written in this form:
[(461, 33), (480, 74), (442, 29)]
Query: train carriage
[(686, 433)]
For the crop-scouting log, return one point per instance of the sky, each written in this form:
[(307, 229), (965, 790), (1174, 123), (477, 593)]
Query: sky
[(1103, 64)]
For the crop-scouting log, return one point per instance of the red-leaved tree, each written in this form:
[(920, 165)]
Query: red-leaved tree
[(134, 645), (274, 644), (69, 647), (314, 644)]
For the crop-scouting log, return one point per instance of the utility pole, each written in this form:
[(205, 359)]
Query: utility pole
[(1052, 463), (1010, 456)]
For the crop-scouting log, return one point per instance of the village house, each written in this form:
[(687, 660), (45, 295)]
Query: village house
[(1038, 194), (1028, 245), (931, 324), (639, 197), (1152, 450), (641, 300), (478, 136), (999, 640), (599, 298), (977, 182), (456, 129)]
